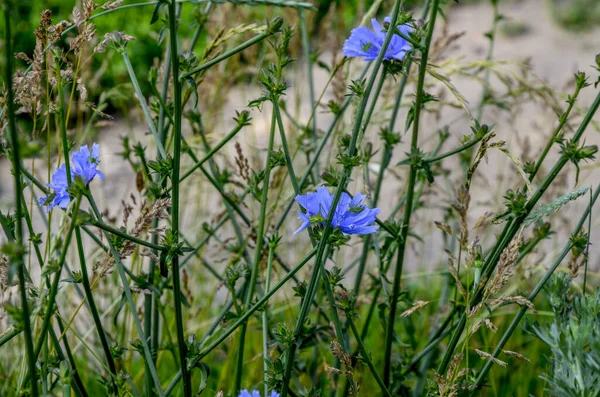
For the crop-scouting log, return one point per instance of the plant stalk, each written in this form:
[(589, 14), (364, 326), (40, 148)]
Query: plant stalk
[(408, 209), (178, 109)]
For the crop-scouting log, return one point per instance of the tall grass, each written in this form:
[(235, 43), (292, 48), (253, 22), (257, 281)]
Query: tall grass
[(201, 286)]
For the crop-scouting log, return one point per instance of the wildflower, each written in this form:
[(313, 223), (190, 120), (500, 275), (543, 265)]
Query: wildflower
[(83, 165), (256, 393), (367, 43), (351, 215)]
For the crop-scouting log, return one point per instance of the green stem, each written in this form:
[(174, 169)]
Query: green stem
[(144, 105), (378, 88), (271, 29), (16, 159), (178, 109), (8, 336), (587, 248), (409, 198), (77, 378), (562, 122), (304, 309), (533, 295), (117, 232), (386, 154), (92, 305), (260, 233), (488, 58), (339, 330), (452, 152), (265, 317), (311, 84), (284, 144), (367, 359), (211, 153), (333, 307), (434, 340), (200, 27)]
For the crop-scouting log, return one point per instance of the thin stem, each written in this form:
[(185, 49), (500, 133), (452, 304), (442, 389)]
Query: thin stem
[(486, 77), (534, 293), (367, 359), (144, 105), (178, 109), (367, 118), (311, 85), (587, 248), (271, 29), (452, 152), (284, 144), (368, 238), (117, 232), (92, 305), (18, 259), (260, 233), (333, 307), (69, 353), (427, 349), (151, 312), (409, 198), (8, 336), (562, 122), (212, 151), (304, 308), (265, 317)]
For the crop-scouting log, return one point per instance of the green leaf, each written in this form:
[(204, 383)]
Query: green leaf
[(194, 89), (205, 372), (156, 12)]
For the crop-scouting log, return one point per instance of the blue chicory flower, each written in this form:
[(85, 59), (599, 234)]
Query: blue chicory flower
[(256, 393), (351, 215), (367, 43), (83, 165)]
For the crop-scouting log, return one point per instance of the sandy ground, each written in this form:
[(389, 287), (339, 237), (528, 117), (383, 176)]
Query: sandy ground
[(555, 55)]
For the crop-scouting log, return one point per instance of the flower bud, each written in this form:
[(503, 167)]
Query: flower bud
[(588, 152)]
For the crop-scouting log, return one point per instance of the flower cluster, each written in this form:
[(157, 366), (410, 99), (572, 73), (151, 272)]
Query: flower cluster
[(351, 215), (83, 165), (368, 43), (256, 393)]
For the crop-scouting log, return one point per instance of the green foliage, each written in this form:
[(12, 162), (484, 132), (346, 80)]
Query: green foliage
[(574, 339)]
